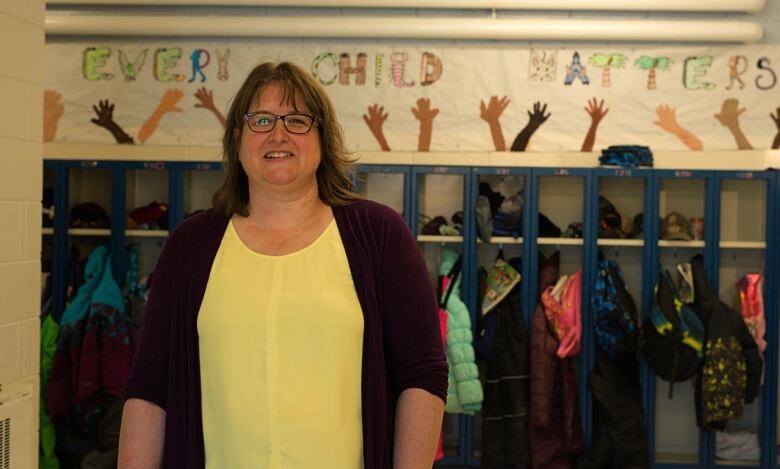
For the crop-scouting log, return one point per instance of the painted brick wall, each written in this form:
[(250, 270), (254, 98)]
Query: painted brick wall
[(21, 95)]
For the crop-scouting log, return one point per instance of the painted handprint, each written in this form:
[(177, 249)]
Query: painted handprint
[(52, 111), (491, 113), (597, 112), (205, 99), (425, 114), (167, 104), (535, 120), (729, 118), (105, 118), (375, 118), (667, 120)]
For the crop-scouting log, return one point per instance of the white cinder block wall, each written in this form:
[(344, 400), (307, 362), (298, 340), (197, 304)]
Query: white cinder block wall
[(21, 95)]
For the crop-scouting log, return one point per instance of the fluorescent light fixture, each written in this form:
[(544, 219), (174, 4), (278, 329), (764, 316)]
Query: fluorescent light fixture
[(578, 5), (536, 29)]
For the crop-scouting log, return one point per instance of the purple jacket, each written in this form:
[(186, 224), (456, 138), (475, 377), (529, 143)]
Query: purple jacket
[(401, 340)]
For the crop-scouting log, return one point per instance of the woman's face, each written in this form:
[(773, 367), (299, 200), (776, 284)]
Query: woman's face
[(279, 159)]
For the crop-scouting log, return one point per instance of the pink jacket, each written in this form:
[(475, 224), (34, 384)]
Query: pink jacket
[(564, 315)]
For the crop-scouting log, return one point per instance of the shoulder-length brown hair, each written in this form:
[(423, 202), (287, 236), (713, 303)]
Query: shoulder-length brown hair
[(333, 174)]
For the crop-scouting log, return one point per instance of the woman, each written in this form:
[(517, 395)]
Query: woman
[(293, 325)]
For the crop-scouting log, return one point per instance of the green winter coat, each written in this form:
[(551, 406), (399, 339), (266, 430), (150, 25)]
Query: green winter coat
[(49, 330), (464, 394)]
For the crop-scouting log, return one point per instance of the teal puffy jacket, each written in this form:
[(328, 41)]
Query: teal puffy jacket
[(464, 394)]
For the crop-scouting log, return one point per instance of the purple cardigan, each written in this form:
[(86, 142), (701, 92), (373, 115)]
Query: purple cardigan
[(402, 346)]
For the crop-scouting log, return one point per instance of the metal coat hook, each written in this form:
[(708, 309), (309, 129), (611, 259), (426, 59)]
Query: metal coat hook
[(616, 251), (674, 252)]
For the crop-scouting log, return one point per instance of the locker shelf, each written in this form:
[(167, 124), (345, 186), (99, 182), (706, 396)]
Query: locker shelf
[(621, 242), (663, 243), (146, 233), (439, 239), (89, 231), (560, 241), (742, 245), (502, 240)]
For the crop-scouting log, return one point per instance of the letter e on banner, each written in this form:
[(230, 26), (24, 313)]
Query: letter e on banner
[(95, 58), (695, 70)]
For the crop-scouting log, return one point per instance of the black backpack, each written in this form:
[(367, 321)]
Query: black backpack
[(673, 336)]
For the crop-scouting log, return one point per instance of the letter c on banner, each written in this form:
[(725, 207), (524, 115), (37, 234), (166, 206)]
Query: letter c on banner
[(764, 64), (315, 67)]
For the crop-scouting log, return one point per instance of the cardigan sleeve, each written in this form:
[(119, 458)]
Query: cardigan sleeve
[(414, 354), (148, 378)]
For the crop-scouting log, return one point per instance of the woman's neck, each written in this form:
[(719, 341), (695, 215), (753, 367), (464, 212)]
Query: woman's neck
[(285, 210)]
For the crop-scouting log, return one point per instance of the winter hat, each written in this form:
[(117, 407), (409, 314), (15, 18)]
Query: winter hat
[(676, 227), (457, 217), (433, 225), (155, 212), (89, 215), (574, 230)]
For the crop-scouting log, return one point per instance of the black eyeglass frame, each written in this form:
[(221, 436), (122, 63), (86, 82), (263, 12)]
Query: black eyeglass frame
[(283, 118)]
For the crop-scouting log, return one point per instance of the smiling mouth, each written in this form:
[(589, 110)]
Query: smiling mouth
[(272, 155)]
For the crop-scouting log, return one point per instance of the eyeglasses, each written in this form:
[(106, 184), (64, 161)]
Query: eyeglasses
[(295, 123)]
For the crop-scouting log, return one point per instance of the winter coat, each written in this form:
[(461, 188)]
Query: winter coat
[(94, 348), (619, 440), (48, 433), (505, 410), (464, 394), (732, 369), (555, 430)]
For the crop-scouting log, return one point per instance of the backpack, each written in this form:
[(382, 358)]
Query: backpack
[(673, 336), (616, 322)]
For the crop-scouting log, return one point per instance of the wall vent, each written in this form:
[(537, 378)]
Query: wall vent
[(5, 444), (17, 422)]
